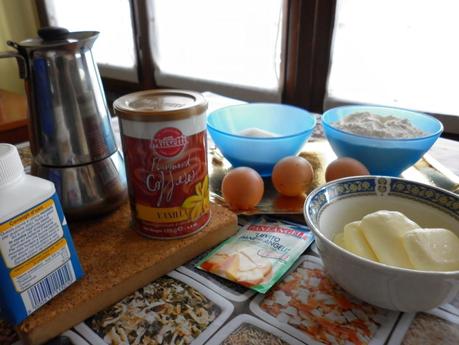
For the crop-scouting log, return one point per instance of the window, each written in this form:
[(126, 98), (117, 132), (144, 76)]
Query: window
[(397, 53), (231, 45), (114, 49), (314, 54), (257, 50), (200, 45)]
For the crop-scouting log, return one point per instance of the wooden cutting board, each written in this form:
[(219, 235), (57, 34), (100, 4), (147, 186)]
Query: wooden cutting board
[(117, 261)]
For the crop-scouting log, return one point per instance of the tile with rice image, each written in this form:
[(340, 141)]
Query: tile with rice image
[(251, 335), (428, 329)]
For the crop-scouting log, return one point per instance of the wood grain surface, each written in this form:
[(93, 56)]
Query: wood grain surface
[(117, 261)]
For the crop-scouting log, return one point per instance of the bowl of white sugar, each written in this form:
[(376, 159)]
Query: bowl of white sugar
[(386, 140), (257, 135)]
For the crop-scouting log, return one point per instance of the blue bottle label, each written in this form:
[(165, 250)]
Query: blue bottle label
[(38, 259)]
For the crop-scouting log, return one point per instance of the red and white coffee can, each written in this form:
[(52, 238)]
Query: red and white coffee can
[(164, 138)]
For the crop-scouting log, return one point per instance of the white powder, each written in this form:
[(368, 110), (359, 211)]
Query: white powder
[(257, 133), (378, 126)]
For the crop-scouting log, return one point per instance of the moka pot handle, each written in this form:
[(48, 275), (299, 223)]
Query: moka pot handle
[(22, 63)]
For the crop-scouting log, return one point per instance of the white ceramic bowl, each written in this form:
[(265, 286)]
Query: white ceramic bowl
[(331, 206)]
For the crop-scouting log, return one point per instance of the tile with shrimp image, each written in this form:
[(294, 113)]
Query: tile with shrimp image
[(308, 305)]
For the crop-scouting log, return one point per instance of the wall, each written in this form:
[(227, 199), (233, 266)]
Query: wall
[(18, 21)]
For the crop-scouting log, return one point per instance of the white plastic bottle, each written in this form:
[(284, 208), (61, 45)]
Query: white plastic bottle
[(38, 258), (18, 191)]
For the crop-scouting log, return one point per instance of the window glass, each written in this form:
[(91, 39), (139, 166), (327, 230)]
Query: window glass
[(114, 49), (235, 44), (396, 53)]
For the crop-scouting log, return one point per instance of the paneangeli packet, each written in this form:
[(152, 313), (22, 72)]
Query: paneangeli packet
[(259, 254)]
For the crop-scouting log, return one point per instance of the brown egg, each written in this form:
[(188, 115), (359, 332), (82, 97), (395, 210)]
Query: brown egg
[(242, 188), (344, 167), (292, 176)]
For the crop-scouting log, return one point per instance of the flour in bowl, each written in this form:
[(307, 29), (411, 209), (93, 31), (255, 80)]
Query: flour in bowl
[(378, 126)]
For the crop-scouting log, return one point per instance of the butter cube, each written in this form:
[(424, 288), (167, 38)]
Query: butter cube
[(432, 249), (355, 241), (383, 231), (339, 239)]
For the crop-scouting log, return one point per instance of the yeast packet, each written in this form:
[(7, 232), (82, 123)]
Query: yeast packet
[(259, 254)]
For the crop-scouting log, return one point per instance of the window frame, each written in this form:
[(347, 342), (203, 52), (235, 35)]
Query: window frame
[(310, 29), (307, 21), (309, 32), (117, 87)]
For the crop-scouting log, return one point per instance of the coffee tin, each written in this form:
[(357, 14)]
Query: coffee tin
[(164, 139)]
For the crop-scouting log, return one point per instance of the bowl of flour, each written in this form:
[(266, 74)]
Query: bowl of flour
[(386, 140)]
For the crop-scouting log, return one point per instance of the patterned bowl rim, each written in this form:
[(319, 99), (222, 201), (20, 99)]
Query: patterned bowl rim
[(377, 265)]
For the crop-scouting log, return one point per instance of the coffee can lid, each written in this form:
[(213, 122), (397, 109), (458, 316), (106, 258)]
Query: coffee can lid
[(160, 105)]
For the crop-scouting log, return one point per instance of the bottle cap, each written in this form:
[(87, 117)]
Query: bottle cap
[(11, 167)]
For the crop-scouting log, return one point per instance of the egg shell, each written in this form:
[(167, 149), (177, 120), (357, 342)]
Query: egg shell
[(292, 176), (242, 188), (345, 167)]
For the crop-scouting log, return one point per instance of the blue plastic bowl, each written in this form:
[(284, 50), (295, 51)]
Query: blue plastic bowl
[(388, 157), (293, 126)]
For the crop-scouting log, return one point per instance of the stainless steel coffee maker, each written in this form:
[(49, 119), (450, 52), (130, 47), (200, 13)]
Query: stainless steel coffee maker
[(71, 137)]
